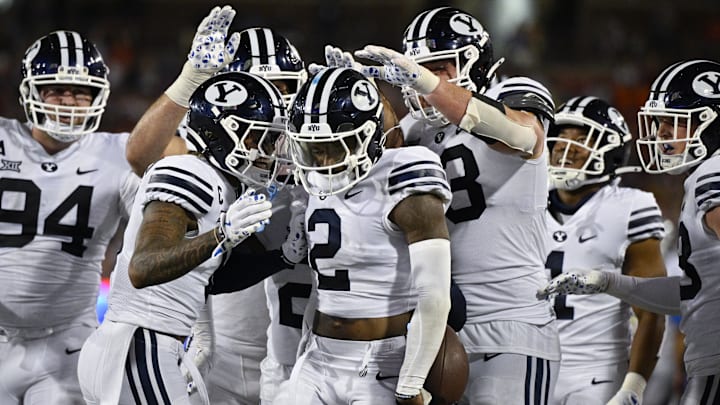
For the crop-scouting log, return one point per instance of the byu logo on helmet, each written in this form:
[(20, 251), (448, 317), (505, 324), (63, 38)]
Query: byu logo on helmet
[(465, 24), (364, 96), (707, 84), (226, 93), (617, 119)]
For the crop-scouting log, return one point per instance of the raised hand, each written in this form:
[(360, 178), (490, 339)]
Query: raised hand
[(397, 69), (336, 57), (209, 51), (208, 54), (578, 283)]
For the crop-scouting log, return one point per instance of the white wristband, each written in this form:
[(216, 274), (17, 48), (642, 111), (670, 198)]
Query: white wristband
[(426, 82), (185, 84), (634, 382)]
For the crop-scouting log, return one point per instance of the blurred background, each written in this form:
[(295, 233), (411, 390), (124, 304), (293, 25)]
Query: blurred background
[(608, 48)]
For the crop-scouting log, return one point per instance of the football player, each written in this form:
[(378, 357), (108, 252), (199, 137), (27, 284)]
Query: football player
[(679, 133), (185, 222), (595, 223), (230, 343), (491, 143), (64, 187), (379, 244), (255, 353)]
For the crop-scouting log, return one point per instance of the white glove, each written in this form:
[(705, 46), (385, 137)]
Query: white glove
[(247, 215), (336, 57), (202, 345), (578, 283), (295, 247), (631, 392), (208, 55), (397, 69)]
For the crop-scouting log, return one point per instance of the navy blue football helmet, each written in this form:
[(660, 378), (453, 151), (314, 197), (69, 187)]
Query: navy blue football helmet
[(605, 143), (64, 58), (266, 53), (335, 128), (686, 95), (237, 120), (447, 33)]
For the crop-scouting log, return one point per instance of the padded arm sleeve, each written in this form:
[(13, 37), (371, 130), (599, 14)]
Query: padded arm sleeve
[(660, 295), (430, 264), (483, 118)]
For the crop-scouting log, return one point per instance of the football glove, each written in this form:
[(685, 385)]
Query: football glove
[(578, 283), (295, 247), (208, 55), (247, 215), (631, 391), (336, 57), (397, 69)]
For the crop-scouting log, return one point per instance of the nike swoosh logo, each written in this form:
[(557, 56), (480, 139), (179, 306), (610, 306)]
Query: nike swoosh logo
[(380, 377), (595, 382), (348, 195), (583, 240), (81, 172), (488, 357), (68, 351)]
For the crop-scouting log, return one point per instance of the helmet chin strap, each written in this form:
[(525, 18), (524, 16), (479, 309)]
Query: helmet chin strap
[(329, 183), (570, 183)]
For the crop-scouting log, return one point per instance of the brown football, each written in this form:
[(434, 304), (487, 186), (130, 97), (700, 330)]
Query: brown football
[(449, 373)]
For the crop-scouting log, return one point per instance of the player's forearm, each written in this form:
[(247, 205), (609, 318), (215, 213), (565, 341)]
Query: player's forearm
[(660, 295), (153, 133), (450, 100), (160, 264), (646, 343)]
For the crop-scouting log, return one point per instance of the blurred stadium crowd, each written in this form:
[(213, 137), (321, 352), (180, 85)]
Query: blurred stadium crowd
[(609, 48)]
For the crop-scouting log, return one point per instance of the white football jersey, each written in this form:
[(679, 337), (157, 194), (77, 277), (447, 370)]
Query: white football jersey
[(172, 307), (361, 257), (699, 253), (595, 329), (57, 215), (496, 221)]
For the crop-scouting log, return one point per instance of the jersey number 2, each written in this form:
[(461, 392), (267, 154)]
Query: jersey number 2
[(27, 218), (340, 281)]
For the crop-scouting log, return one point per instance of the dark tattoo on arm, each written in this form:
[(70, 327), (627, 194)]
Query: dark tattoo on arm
[(162, 253)]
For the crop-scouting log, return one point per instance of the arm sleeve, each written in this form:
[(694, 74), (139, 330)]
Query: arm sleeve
[(660, 295), (244, 269), (430, 264)]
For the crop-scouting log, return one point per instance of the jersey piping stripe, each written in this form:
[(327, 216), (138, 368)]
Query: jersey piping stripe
[(440, 184), (535, 378), (183, 184), (140, 365), (641, 210), (711, 186), (651, 231), (636, 223), (702, 201), (707, 176), (156, 367), (400, 178), (409, 165), (181, 196), (709, 385), (187, 173), (131, 380)]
